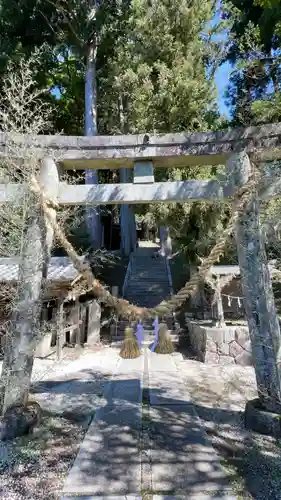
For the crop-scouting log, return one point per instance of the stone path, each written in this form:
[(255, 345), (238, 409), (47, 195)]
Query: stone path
[(147, 436), (78, 387)]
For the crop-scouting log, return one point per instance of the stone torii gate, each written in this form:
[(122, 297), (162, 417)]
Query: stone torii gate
[(144, 153)]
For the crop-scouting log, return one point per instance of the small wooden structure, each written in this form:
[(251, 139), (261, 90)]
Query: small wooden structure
[(69, 316), (229, 298)]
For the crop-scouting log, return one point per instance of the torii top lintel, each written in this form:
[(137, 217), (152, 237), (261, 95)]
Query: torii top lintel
[(165, 150)]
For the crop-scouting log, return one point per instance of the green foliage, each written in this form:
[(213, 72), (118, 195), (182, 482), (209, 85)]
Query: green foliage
[(155, 73), (158, 80), (254, 49), (159, 70), (65, 29)]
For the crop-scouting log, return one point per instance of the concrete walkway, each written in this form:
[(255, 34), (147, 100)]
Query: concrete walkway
[(147, 438)]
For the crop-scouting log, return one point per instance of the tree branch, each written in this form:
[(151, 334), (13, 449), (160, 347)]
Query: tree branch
[(67, 21)]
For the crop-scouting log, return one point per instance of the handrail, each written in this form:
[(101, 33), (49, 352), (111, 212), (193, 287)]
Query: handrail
[(169, 276), (126, 279)]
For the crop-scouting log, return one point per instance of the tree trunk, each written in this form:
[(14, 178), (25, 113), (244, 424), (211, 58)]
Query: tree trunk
[(257, 289), (91, 176), (24, 331)]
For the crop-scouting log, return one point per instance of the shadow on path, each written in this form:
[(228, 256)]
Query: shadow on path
[(181, 458)]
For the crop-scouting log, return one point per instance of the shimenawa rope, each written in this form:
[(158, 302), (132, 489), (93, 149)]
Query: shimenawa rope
[(126, 309)]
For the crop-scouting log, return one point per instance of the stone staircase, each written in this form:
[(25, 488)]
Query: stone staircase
[(148, 283)]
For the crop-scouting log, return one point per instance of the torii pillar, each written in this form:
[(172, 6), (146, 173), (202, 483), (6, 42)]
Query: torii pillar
[(127, 221), (257, 289)]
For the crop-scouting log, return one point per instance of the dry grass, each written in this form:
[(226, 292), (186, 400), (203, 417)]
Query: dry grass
[(130, 348), (164, 344)]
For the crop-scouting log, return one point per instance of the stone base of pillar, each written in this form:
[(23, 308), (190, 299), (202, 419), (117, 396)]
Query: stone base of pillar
[(262, 421)]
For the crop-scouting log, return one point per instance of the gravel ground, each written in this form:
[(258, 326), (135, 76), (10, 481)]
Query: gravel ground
[(220, 393), (35, 467)]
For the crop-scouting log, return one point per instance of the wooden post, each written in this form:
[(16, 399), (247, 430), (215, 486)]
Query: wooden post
[(82, 323), (221, 322), (94, 315), (60, 329), (33, 267), (43, 347), (73, 319), (257, 289)]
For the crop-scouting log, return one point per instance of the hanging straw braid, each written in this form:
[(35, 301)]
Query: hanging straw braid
[(130, 348), (164, 344)]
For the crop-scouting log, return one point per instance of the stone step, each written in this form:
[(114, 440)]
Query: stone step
[(147, 265), (149, 293), (147, 286), (133, 294), (118, 341), (147, 271), (148, 262), (147, 327), (119, 336), (145, 293), (151, 276), (149, 333), (144, 296), (149, 304), (147, 282)]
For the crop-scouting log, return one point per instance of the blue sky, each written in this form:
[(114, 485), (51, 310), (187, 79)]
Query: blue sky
[(223, 73), (221, 79)]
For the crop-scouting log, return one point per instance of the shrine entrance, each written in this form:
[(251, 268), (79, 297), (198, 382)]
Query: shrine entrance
[(241, 151)]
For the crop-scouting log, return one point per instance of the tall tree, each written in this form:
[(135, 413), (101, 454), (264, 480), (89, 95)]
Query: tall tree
[(163, 74), (160, 68), (79, 35), (254, 50), (154, 66)]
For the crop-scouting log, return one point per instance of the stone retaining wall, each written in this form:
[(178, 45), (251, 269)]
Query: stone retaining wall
[(227, 345)]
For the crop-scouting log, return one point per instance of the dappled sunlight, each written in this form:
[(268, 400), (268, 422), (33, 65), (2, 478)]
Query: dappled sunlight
[(229, 386)]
